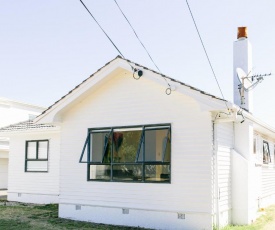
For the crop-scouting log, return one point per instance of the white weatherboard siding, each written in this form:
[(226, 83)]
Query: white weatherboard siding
[(268, 186), (267, 196), (123, 101), (245, 181), (265, 173), (33, 187), (4, 173), (224, 143)]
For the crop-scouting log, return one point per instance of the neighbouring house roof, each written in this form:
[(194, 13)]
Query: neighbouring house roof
[(6, 101), (133, 65), (26, 126)]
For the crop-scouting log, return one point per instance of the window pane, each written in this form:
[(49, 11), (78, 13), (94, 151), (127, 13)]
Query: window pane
[(141, 148), (254, 145), (157, 145), (127, 172), (40, 166), (266, 153), (31, 150), (42, 149), (100, 147), (100, 172), (167, 150), (157, 173), (126, 145)]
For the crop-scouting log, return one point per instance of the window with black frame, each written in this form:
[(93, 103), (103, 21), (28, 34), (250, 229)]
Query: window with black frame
[(129, 154), (266, 153), (36, 156)]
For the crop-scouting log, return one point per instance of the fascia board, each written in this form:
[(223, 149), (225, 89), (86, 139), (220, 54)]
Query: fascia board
[(260, 126), (208, 103)]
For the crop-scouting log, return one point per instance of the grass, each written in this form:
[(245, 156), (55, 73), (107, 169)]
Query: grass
[(14, 216), (264, 222)]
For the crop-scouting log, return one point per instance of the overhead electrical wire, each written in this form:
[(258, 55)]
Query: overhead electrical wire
[(168, 90), (135, 70), (207, 55), (102, 29), (137, 35)]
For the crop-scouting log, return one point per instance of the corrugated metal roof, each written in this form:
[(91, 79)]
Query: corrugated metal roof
[(25, 125), (137, 65)]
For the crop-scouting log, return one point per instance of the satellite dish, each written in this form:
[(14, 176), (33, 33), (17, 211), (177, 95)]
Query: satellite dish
[(243, 78)]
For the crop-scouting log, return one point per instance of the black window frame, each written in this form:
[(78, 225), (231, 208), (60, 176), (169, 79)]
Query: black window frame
[(143, 162), (37, 156), (268, 161)]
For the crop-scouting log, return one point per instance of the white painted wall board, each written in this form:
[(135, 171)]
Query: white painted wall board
[(4, 173), (35, 183), (123, 101)]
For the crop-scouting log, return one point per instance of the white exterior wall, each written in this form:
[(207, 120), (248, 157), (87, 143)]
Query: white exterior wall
[(224, 134), (12, 112), (266, 172), (4, 172), (245, 181), (268, 186), (4, 162), (33, 187), (123, 101)]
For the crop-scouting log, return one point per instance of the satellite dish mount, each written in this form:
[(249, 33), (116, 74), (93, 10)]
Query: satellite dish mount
[(248, 82)]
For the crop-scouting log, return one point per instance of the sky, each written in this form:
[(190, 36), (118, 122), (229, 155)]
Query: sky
[(49, 47)]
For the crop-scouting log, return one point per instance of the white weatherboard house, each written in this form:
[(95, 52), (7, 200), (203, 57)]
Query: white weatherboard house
[(10, 112), (121, 151)]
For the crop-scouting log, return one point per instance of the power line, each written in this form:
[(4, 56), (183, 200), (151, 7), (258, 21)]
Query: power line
[(168, 90), (102, 29), (137, 35), (142, 44), (206, 54)]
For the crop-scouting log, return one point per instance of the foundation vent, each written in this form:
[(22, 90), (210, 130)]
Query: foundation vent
[(78, 207), (181, 216), (125, 211)]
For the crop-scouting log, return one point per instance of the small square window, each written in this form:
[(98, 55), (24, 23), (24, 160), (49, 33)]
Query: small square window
[(37, 156)]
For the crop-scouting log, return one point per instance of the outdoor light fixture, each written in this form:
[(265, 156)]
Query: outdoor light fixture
[(139, 73)]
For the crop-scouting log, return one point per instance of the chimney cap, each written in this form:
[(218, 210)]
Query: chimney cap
[(242, 32)]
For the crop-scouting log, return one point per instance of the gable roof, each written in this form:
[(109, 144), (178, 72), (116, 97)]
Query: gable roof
[(36, 125), (130, 65)]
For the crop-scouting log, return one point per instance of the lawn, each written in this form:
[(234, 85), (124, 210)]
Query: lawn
[(265, 222), (14, 216)]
